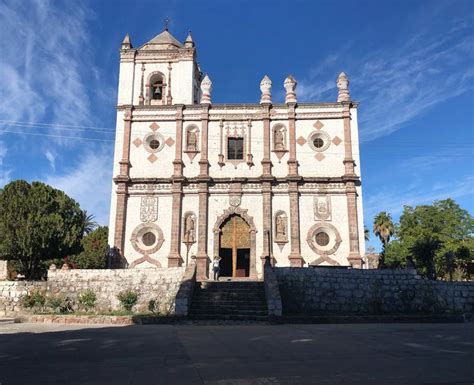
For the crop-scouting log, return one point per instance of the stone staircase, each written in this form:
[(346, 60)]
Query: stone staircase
[(229, 300)]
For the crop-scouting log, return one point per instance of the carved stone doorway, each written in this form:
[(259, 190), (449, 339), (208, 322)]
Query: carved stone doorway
[(234, 247)]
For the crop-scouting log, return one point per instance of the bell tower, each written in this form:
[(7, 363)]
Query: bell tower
[(161, 72)]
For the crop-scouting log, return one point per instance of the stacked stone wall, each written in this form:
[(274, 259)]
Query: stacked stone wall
[(354, 291), (160, 285), (11, 293)]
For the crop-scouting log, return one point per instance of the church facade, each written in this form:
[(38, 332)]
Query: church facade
[(194, 180)]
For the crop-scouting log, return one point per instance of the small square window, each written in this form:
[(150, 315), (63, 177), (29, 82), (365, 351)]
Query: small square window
[(235, 148)]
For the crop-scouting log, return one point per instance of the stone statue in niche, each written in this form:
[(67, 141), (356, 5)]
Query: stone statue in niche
[(278, 140), (280, 227), (191, 144), (149, 209), (189, 229), (322, 208)]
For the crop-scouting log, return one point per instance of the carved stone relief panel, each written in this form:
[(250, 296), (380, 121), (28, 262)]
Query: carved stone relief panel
[(149, 209), (322, 208), (146, 239), (189, 228)]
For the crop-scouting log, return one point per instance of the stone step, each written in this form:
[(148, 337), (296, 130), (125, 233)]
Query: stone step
[(217, 311), (219, 297), (226, 317)]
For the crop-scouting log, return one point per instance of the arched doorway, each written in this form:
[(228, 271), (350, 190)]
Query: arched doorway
[(234, 247)]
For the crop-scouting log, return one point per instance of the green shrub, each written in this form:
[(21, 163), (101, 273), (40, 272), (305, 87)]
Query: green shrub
[(128, 299), (33, 300), (87, 300), (59, 304), (153, 306)]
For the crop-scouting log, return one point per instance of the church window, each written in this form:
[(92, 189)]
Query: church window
[(149, 238), (154, 144), (322, 238), (318, 142), (235, 148)]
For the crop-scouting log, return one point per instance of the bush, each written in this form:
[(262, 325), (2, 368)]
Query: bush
[(33, 300), (153, 306), (128, 299), (87, 300), (60, 304)]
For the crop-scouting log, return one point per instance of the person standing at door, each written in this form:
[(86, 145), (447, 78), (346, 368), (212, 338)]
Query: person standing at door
[(216, 267)]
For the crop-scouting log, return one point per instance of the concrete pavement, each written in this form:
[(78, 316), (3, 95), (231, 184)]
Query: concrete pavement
[(259, 354)]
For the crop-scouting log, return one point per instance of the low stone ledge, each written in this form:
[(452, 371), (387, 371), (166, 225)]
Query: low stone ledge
[(80, 319)]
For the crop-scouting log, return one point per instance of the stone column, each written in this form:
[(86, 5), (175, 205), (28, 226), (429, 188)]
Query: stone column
[(354, 253), (293, 192), (295, 253), (351, 194), (201, 256), (122, 186), (266, 183), (174, 257)]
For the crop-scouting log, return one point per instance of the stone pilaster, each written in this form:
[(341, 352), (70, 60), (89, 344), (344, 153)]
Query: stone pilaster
[(178, 160), (292, 162), (351, 194), (267, 220), (122, 189), (201, 257), (354, 258), (295, 254), (174, 257), (266, 162)]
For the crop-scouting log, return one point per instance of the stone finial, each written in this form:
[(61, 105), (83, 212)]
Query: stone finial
[(266, 88), (189, 42), (53, 267), (343, 87), (126, 43), (206, 87), (65, 267), (290, 86)]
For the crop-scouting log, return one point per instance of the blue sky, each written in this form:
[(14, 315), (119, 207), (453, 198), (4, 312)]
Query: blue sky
[(410, 63)]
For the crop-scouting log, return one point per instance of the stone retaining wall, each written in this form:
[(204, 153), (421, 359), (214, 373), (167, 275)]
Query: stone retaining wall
[(158, 284), (12, 291), (354, 291)]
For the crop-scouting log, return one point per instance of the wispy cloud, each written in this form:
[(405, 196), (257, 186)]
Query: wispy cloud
[(398, 82), (4, 172), (89, 183), (45, 71)]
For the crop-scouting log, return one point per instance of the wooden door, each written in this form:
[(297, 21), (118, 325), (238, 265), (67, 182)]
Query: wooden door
[(235, 235)]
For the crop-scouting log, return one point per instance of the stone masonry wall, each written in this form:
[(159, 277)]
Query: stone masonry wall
[(12, 291), (354, 291), (159, 284)]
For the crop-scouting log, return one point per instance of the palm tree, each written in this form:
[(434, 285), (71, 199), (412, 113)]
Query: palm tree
[(424, 250), (89, 223), (366, 233), (383, 228)]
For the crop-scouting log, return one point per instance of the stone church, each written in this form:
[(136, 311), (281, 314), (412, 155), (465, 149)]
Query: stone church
[(193, 179)]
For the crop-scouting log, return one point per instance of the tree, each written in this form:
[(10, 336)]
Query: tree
[(94, 253), (37, 223), (366, 233), (89, 223), (430, 234), (384, 229)]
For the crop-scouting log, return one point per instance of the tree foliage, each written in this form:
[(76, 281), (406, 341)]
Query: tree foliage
[(383, 229), (37, 223), (428, 234), (94, 250)]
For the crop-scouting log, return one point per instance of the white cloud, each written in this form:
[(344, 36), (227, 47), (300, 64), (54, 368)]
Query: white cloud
[(89, 183), (399, 82), (51, 159), (4, 173), (48, 63)]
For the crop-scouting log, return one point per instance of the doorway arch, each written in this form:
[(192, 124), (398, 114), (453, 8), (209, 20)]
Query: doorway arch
[(229, 225)]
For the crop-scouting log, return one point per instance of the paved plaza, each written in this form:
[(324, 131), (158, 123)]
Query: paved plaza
[(252, 354)]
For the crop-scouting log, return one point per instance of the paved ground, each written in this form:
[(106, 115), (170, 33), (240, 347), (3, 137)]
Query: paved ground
[(383, 354)]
